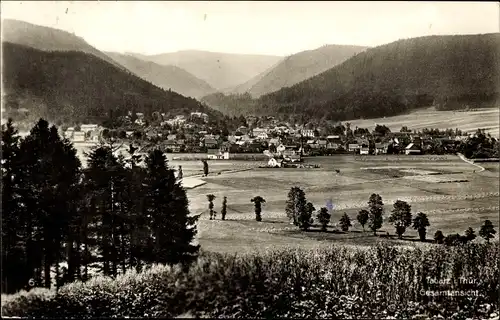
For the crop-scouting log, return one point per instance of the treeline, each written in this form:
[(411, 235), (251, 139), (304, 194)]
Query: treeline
[(107, 218), (75, 87)]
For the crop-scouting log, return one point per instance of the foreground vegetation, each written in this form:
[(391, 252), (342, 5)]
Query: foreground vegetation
[(380, 282), (110, 217)]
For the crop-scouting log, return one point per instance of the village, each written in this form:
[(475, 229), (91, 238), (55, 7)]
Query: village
[(280, 140)]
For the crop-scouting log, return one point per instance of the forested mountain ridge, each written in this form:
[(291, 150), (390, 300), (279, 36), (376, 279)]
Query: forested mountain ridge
[(446, 71), (74, 86), (46, 39), (164, 76), (299, 67)]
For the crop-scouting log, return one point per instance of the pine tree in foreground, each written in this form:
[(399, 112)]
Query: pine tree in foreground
[(173, 228)]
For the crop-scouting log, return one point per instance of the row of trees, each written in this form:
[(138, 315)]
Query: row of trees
[(487, 232), (106, 218), (300, 213), (257, 201)]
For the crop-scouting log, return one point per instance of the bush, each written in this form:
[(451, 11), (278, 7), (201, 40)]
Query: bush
[(337, 282)]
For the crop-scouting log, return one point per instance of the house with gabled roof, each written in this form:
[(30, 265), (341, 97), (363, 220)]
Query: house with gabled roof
[(412, 149), (211, 143)]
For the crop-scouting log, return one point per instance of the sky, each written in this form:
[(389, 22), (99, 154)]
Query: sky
[(276, 28)]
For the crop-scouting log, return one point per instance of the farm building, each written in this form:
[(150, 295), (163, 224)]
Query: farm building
[(412, 149), (275, 163), (353, 147), (173, 146), (210, 143), (381, 148), (322, 144), (214, 154), (88, 127), (79, 136)]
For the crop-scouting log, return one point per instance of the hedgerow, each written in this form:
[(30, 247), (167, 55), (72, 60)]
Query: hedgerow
[(379, 282)]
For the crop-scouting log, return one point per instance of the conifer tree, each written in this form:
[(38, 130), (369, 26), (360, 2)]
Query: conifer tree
[(173, 229), (224, 208), (14, 273), (211, 198), (50, 170), (258, 200)]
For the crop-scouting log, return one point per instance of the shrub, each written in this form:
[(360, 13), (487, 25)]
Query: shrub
[(487, 231), (438, 237)]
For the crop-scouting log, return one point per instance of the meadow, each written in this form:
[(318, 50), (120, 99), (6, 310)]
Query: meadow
[(451, 206)]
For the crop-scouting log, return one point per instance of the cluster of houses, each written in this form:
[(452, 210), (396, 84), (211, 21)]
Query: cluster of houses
[(289, 141), (86, 132)]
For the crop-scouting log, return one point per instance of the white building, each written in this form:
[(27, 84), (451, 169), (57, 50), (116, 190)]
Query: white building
[(88, 127), (79, 136), (308, 133), (273, 163)]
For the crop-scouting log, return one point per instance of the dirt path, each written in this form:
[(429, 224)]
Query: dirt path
[(463, 158)]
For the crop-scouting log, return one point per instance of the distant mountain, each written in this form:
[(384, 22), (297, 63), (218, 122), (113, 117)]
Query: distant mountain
[(73, 86), (220, 70), (298, 67), (233, 104), (46, 39), (449, 72), (166, 77), (247, 86)]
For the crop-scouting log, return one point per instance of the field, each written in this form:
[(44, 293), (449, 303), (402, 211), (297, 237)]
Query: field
[(467, 121), (451, 206)]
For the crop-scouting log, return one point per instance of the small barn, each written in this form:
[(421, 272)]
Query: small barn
[(412, 149), (273, 163)]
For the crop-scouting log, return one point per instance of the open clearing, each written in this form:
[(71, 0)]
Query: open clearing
[(451, 206), (467, 121)]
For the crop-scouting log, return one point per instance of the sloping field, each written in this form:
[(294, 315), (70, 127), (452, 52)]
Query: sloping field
[(468, 121), (451, 206)]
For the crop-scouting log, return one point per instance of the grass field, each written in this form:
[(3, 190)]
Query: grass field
[(451, 207), (430, 118)]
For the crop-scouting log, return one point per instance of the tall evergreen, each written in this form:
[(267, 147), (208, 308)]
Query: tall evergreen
[(14, 275), (50, 171), (173, 229), (103, 177)]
